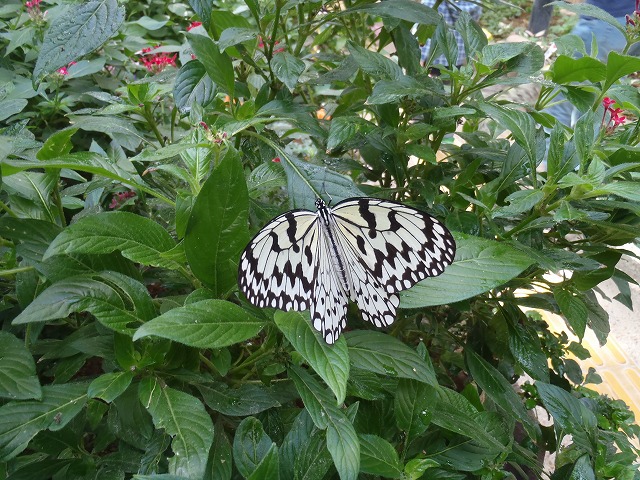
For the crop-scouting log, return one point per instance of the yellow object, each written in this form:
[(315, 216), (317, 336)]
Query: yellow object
[(620, 375)]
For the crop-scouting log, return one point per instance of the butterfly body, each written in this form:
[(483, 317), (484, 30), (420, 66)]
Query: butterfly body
[(363, 249)]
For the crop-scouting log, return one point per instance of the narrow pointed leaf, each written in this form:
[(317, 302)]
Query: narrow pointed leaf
[(18, 378), (184, 418), (204, 324), (330, 362)]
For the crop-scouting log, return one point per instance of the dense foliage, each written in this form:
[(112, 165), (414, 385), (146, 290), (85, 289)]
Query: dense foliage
[(144, 142)]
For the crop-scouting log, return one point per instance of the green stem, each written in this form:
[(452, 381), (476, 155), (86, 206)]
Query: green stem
[(148, 116), (6, 208), (14, 271)]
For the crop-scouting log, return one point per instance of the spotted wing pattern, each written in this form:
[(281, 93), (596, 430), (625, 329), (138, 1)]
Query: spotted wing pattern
[(329, 304), (280, 265), (398, 244), (364, 249)]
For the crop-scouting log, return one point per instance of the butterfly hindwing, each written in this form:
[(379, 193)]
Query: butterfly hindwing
[(398, 244), (329, 304), (279, 267)]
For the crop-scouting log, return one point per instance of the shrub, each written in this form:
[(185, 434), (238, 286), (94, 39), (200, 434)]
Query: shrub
[(145, 142)]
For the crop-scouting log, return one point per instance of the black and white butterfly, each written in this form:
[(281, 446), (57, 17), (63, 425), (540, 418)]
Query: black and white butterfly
[(363, 249)]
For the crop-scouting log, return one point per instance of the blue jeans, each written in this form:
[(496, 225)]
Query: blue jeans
[(608, 39)]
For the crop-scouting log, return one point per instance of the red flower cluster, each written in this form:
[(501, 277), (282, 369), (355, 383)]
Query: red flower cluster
[(157, 62), (193, 25), (119, 198), (275, 50), (33, 4), (65, 70), (615, 118), (634, 18)]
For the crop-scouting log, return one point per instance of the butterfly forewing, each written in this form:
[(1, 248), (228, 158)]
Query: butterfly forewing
[(279, 267), (399, 244)]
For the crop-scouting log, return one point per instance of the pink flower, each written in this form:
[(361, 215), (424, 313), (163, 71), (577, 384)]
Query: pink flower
[(157, 62), (193, 25), (276, 160), (607, 102), (119, 198), (65, 70)]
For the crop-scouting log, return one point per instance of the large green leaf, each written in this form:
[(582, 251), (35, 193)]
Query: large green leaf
[(573, 308), (110, 386), (520, 124), (330, 362), (287, 68), (184, 418), (306, 181), (220, 464), (294, 442), (378, 457), (18, 379), (570, 415), (81, 30), (216, 63), (138, 238), (20, 421), (117, 301), (499, 390), (120, 129), (567, 69), (218, 226), (204, 324), (413, 406), (342, 441), (480, 266), (412, 12), (374, 63), (381, 353), (247, 399), (193, 85), (250, 446)]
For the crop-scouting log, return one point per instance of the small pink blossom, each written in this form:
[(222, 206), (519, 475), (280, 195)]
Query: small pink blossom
[(607, 102), (276, 160), (64, 71), (193, 25), (119, 199), (157, 62)]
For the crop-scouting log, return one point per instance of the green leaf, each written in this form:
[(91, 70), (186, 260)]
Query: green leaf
[(247, 399), (18, 379), (520, 124), (312, 459), (473, 36), (331, 362), (570, 415), (81, 30), (235, 35), (204, 324), (568, 69), (138, 238), (218, 228), (413, 406), (11, 107), (121, 130), (390, 91), (110, 386), (519, 202), (21, 420), (584, 137), (342, 441), (298, 437), (287, 69), (619, 66), (381, 353), (408, 10), (250, 446), (306, 181), (453, 412), (573, 309), (203, 9), (499, 390), (216, 63), (184, 418), (626, 190), (527, 350), (481, 265), (378, 457), (57, 144), (193, 85), (117, 301), (220, 464), (373, 63), (269, 467)]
